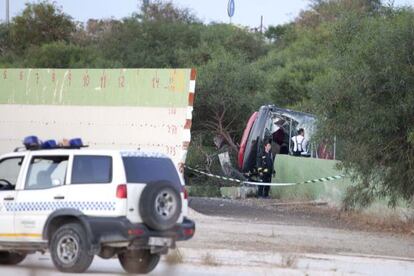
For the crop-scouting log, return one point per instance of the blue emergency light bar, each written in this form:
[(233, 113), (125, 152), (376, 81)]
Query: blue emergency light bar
[(33, 143), (76, 142), (49, 144)]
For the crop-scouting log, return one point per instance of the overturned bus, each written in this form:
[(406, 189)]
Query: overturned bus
[(277, 125)]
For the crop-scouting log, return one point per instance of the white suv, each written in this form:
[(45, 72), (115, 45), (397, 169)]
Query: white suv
[(78, 203)]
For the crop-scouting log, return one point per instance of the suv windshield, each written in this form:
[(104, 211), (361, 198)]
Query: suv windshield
[(149, 169)]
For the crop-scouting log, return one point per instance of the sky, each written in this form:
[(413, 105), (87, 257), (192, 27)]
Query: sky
[(247, 12)]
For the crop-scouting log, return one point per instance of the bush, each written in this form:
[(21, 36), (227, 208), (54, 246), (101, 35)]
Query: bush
[(367, 102), (205, 190)]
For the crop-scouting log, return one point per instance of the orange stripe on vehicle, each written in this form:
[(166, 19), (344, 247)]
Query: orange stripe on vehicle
[(10, 235)]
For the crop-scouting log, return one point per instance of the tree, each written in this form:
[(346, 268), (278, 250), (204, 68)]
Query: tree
[(228, 92), (166, 12), (234, 40), (4, 39), (156, 37), (62, 55), (322, 11), (276, 32), (367, 101), (40, 23), (298, 57)]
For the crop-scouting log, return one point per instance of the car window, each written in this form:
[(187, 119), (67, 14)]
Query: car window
[(91, 169), (149, 169), (46, 172), (9, 171)]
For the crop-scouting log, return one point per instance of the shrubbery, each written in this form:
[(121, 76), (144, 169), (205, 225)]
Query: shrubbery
[(348, 61)]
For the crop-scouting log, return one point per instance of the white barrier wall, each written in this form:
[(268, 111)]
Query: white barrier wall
[(149, 109)]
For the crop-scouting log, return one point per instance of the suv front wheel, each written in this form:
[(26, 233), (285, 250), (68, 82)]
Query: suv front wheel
[(138, 261), (69, 248)]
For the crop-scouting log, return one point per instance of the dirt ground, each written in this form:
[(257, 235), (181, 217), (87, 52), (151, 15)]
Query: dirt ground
[(263, 237), (252, 225)]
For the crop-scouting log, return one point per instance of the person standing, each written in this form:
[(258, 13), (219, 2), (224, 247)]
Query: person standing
[(300, 144), (265, 170)]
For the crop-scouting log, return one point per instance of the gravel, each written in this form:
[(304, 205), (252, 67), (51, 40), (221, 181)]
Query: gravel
[(259, 224)]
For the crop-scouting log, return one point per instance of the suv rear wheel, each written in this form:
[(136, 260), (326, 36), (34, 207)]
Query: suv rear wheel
[(160, 205), (69, 248), (11, 258), (138, 261)]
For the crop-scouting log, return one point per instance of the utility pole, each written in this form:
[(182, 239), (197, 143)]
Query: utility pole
[(7, 12)]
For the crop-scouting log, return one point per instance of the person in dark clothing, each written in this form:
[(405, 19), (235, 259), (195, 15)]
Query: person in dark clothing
[(265, 170)]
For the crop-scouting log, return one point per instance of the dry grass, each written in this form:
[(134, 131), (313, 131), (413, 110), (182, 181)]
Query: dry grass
[(354, 219), (388, 223), (210, 260), (174, 257), (378, 221)]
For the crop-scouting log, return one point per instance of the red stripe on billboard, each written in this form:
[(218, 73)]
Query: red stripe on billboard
[(188, 123), (193, 74)]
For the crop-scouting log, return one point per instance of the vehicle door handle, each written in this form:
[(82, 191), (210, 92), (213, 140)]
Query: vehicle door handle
[(8, 198), (59, 197)]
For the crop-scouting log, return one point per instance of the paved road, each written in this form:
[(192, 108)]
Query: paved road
[(41, 265), (227, 262)]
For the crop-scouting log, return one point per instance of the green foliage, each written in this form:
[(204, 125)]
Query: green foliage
[(159, 11), (137, 43), (40, 23), (290, 70), (367, 101), (4, 39), (411, 138), (281, 34), (201, 154), (62, 55), (349, 61), (228, 92), (275, 32), (205, 190), (234, 40), (331, 11)]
